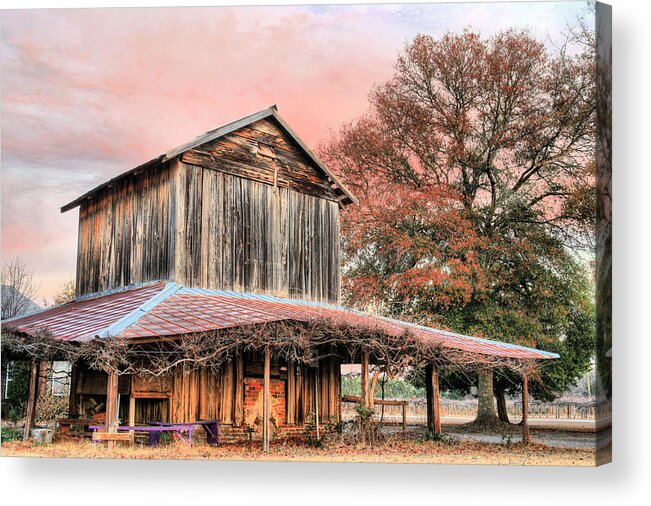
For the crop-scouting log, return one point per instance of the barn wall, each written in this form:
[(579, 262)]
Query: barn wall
[(124, 233), (232, 220), (242, 235), (190, 395), (264, 153)]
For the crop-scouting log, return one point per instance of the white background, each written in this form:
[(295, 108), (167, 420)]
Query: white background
[(626, 481)]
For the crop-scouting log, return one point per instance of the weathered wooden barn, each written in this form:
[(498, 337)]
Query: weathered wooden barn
[(236, 228)]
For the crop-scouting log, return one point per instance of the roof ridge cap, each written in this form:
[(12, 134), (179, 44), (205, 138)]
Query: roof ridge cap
[(126, 321)]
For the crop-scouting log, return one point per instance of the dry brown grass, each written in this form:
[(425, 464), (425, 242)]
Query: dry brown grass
[(395, 451)]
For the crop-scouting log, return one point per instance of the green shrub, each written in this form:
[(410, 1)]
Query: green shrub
[(10, 434), (18, 387), (16, 412)]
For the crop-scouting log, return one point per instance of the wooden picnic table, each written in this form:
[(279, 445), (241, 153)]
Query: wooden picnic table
[(211, 427), (154, 431)]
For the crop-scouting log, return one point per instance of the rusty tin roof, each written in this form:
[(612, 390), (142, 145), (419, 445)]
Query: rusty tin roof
[(170, 309)]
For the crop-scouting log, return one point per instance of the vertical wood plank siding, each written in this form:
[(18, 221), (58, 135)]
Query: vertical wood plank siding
[(221, 217), (124, 234), (205, 228), (204, 395), (255, 238)]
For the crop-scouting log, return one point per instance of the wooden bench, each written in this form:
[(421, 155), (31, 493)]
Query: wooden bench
[(113, 436), (211, 427), (154, 432)]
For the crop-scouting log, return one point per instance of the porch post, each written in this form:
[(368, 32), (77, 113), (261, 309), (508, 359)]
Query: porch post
[(132, 415), (266, 400), (238, 404), (72, 398), (112, 404), (31, 399), (433, 398), (525, 409), (364, 379)]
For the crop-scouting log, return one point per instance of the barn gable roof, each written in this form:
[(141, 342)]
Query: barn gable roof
[(345, 195), (171, 309)]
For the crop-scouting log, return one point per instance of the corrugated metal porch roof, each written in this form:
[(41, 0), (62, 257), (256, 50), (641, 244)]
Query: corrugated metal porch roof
[(171, 309)]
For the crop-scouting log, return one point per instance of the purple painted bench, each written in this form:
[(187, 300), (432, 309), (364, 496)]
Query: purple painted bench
[(210, 426), (154, 431)]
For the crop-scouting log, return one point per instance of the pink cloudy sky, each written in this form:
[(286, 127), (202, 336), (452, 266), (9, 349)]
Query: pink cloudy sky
[(87, 94)]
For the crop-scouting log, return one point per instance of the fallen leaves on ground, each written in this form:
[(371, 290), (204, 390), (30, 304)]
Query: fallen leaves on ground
[(396, 450)]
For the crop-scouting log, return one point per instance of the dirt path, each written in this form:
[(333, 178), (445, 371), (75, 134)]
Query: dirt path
[(555, 439)]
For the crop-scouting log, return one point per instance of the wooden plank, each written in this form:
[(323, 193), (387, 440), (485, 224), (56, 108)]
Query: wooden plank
[(112, 437), (228, 248)]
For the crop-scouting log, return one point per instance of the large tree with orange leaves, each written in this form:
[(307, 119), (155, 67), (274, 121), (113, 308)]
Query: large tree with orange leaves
[(475, 169)]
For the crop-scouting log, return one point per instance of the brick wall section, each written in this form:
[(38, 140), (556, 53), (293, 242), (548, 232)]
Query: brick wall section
[(230, 434), (254, 398)]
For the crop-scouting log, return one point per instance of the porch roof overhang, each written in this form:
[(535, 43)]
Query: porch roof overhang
[(169, 309)]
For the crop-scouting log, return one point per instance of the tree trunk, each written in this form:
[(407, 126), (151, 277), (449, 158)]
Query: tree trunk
[(486, 414), (502, 414)]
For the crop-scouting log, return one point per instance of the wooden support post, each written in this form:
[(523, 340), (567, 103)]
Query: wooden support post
[(371, 390), (238, 405), (290, 411), (404, 417), (132, 416), (364, 379), (317, 380), (266, 400), (31, 399), (433, 398), (72, 399), (525, 409), (112, 404)]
